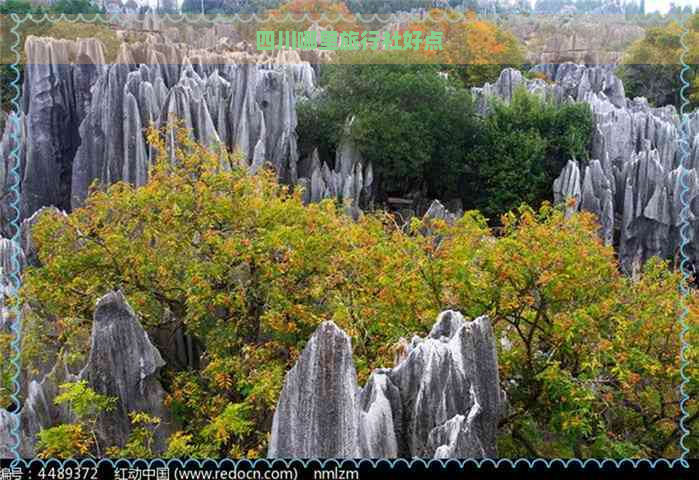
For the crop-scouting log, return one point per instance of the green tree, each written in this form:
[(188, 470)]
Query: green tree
[(141, 438), (411, 123), (588, 357), (255, 280), (7, 371), (287, 17), (72, 7), (20, 7), (591, 356), (522, 147), (78, 438)]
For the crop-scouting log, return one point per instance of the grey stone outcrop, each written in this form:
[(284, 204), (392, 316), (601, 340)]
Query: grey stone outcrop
[(318, 411), (87, 119), (122, 363), (437, 211), (442, 400), (57, 81), (242, 106), (8, 424), (12, 145), (350, 180), (632, 180), (12, 262)]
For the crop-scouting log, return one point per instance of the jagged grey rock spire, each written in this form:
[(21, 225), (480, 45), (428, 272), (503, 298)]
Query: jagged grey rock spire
[(123, 363), (12, 145), (442, 400), (57, 81), (87, 120), (12, 262), (350, 180), (631, 180), (318, 412)]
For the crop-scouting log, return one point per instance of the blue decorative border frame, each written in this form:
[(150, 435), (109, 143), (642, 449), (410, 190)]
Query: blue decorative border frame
[(15, 279), (685, 227)]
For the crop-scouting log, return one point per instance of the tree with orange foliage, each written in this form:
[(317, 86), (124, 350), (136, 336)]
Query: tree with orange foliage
[(588, 357), (474, 49), (327, 14)]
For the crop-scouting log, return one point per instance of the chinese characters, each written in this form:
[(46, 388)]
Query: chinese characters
[(332, 40)]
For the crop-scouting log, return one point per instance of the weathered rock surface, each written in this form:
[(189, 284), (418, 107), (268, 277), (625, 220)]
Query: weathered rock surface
[(350, 180), (123, 363), (437, 211), (570, 35), (12, 262), (7, 441), (87, 120), (242, 106), (12, 144), (317, 413), (632, 182), (57, 81), (442, 400)]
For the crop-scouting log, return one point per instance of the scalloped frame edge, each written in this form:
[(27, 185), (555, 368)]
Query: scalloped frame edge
[(478, 462)]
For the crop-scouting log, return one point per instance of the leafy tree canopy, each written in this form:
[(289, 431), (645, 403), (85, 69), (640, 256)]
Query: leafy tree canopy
[(328, 14), (475, 50), (588, 357), (410, 122), (651, 66), (60, 6), (422, 135), (522, 148)]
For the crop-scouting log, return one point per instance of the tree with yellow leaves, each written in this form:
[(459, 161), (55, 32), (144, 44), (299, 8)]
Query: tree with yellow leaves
[(588, 357), (300, 15), (651, 66), (475, 49)]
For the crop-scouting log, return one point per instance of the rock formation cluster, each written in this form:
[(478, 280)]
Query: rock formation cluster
[(634, 177), (442, 400), (122, 364), (593, 39), (87, 119), (351, 179)]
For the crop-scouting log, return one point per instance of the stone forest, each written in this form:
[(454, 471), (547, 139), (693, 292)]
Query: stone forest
[(209, 250)]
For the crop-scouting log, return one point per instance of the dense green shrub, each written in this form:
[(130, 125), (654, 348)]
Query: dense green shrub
[(422, 135), (522, 148), (411, 123)]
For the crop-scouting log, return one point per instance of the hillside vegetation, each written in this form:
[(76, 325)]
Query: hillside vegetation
[(588, 357), (244, 271)]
